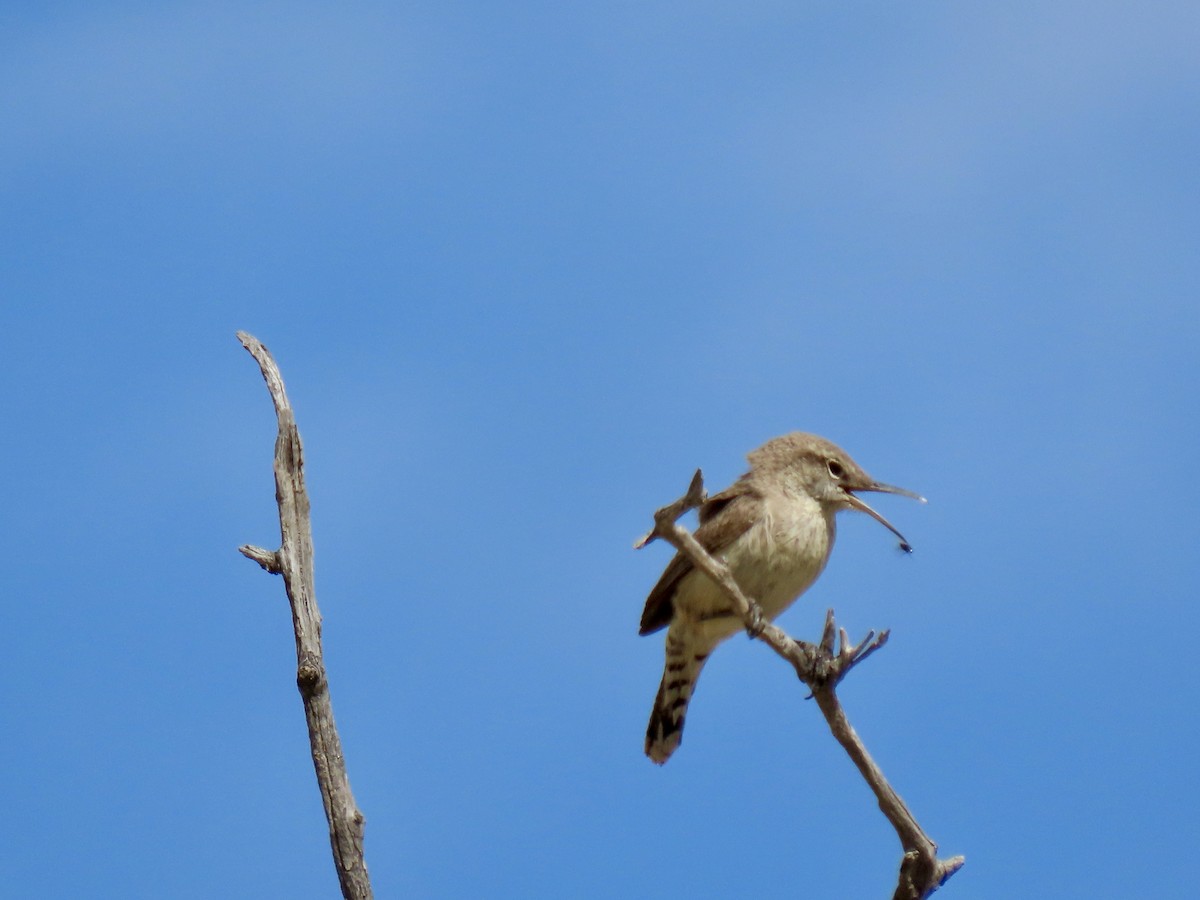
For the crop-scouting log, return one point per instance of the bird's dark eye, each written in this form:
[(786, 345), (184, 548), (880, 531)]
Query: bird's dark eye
[(835, 468)]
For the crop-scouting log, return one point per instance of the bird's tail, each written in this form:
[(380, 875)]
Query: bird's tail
[(683, 666)]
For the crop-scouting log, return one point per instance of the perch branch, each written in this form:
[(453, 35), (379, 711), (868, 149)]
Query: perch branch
[(821, 667), (294, 561)]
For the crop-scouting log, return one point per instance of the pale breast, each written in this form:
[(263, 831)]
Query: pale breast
[(774, 562), (783, 555)]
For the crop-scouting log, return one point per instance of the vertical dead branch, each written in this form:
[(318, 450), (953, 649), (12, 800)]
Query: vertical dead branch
[(294, 561), (820, 667)]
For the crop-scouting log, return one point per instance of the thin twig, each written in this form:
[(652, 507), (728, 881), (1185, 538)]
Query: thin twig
[(820, 666), (294, 561)]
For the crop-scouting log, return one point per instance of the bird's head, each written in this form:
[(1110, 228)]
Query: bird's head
[(811, 465)]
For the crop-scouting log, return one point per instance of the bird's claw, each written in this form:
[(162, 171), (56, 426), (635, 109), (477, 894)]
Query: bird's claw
[(755, 622)]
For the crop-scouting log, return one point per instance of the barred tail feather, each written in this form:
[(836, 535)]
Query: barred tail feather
[(683, 666)]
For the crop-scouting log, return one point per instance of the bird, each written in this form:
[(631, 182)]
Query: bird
[(774, 528)]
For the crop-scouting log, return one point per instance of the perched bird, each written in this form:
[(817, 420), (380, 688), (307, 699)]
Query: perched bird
[(774, 528)]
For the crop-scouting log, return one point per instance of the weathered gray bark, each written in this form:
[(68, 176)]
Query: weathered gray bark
[(294, 561)]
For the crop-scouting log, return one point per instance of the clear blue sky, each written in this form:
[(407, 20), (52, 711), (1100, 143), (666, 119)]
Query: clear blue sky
[(526, 266)]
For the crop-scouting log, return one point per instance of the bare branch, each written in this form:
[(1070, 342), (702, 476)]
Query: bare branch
[(820, 666), (294, 561)]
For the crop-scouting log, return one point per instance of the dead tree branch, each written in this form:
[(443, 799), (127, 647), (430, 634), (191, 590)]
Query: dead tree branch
[(820, 666), (294, 561)]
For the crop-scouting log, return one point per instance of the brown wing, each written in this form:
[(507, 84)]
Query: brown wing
[(723, 519)]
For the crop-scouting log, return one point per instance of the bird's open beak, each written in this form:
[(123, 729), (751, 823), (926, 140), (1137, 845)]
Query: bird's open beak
[(880, 488)]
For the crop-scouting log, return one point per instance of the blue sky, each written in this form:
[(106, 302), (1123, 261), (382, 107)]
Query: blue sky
[(524, 268)]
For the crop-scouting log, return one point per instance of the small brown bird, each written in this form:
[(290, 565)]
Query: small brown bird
[(774, 528)]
